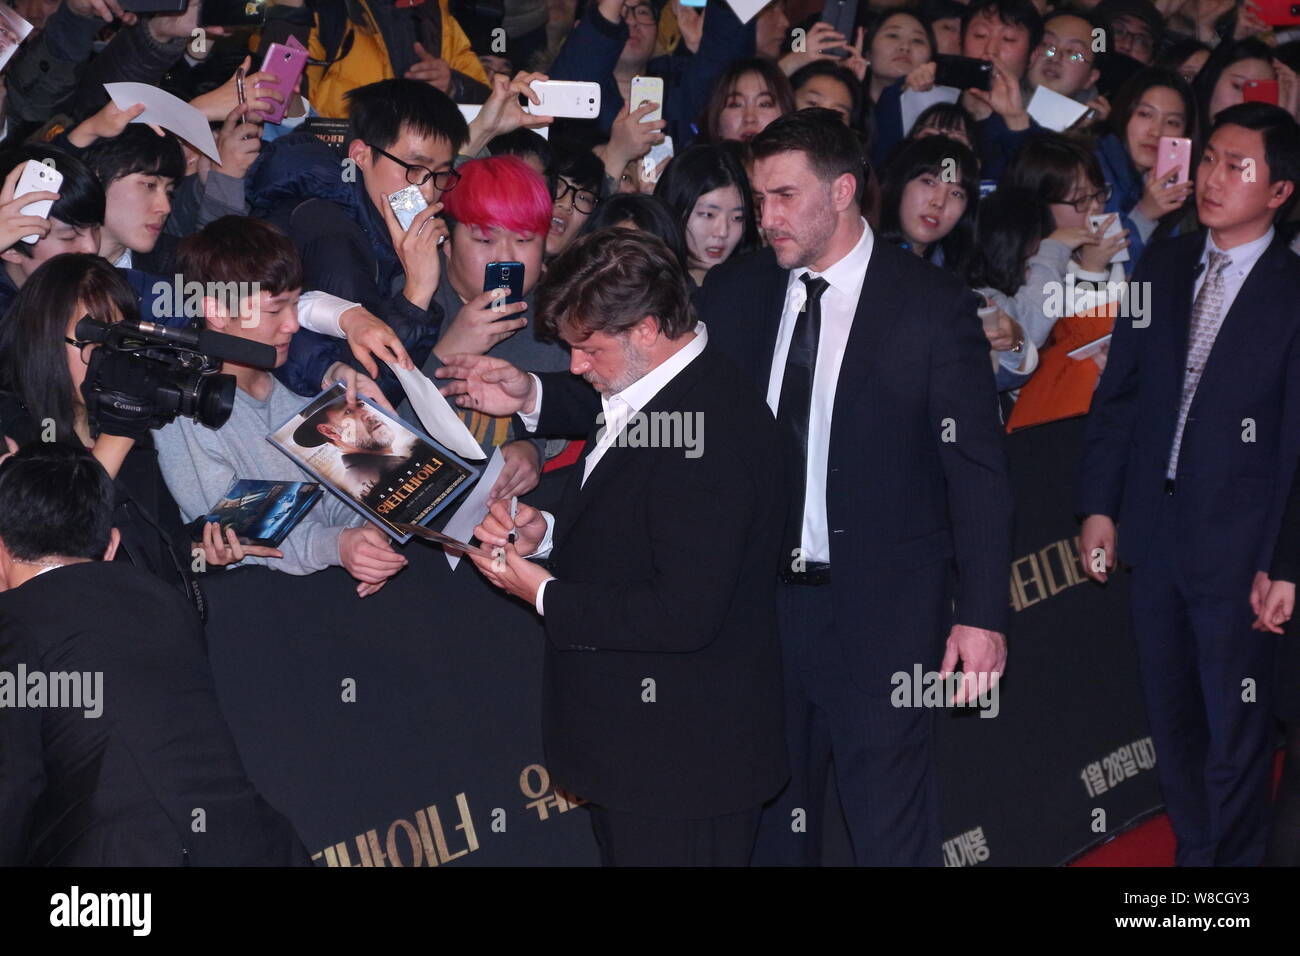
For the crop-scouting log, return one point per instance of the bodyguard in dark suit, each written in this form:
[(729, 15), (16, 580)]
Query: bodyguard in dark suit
[(899, 531), (137, 767), (1191, 445), (662, 684)]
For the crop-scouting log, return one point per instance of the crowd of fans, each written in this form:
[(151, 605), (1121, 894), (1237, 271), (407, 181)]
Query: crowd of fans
[(976, 187)]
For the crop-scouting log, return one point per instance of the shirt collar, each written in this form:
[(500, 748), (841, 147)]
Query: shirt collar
[(845, 275), (1243, 256), (638, 395)]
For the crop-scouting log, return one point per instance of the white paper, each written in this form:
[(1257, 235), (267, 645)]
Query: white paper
[(13, 31), (471, 110), (1053, 111), (914, 102), (473, 506), (747, 9), (436, 414), (1083, 351), (172, 114)]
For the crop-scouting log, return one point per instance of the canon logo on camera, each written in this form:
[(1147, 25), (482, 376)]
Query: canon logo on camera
[(118, 403)]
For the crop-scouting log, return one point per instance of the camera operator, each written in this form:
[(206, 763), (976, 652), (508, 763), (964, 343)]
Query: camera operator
[(42, 368)]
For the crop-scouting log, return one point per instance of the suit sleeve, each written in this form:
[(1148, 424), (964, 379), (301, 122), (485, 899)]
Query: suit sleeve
[(962, 392), (682, 604), (1110, 421), (569, 406), (22, 765)]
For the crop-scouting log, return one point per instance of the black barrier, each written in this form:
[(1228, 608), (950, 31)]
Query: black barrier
[(402, 729)]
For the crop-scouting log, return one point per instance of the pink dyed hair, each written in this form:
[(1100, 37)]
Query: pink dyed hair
[(501, 191)]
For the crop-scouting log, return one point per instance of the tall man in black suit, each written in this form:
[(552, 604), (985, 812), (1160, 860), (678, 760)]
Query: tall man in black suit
[(136, 767), (1191, 445), (901, 519), (662, 684)]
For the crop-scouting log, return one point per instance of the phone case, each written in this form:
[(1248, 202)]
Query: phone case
[(648, 88), (155, 6), (1094, 223), (570, 99), (1260, 91), (963, 72), (37, 177), (509, 275), (1279, 13), (407, 204), (287, 65), (231, 13), (843, 16), (1174, 151)]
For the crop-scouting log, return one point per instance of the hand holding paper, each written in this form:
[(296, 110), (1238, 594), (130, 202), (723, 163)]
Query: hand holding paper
[(163, 109)]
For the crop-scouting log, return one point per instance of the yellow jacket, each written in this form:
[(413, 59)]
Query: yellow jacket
[(367, 60)]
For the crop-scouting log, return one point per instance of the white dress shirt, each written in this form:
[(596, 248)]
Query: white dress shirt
[(1244, 258), (839, 303), (619, 409)]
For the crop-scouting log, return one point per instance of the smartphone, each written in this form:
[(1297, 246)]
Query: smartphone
[(38, 177), (843, 16), (407, 204), (963, 72), (650, 162), (287, 64), (988, 314), (1174, 151), (155, 6), (1094, 223), (573, 99), (648, 88), (507, 275), (1260, 91), (232, 13), (1279, 13)]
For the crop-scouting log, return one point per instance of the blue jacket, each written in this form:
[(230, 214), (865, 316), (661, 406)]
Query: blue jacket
[(1126, 192), (299, 184), (592, 50)]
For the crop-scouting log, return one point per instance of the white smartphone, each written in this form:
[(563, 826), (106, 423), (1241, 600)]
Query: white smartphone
[(1094, 223), (988, 314), (38, 177), (407, 204), (649, 88), (650, 162), (572, 99)]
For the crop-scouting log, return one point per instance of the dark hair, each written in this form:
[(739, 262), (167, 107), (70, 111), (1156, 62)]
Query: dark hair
[(1046, 166), (1281, 135), (241, 249), (1020, 13), (609, 281), (1144, 10), (137, 149), (378, 112), (1176, 54), (830, 147), (522, 142), (33, 355), (935, 10), (927, 156), (1011, 224), (649, 213), (580, 166), (773, 79), (700, 169), (1226, 55), (81, 197), (842, 75), (1130, 94), (885, 17), (1091, 18), (55, 500), (946, 117)]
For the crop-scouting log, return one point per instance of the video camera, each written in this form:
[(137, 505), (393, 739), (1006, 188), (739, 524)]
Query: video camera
[(148, 372)]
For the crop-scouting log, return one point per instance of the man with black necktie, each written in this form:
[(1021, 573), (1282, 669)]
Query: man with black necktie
[(662, 675), (898, 533), (1192, 442)]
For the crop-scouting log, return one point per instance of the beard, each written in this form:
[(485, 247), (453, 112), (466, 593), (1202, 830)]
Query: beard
[(635, 365), (807, 245)]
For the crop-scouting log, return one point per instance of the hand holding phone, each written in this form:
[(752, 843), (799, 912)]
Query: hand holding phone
[(963, 72), (1260, 91), (286, 64), (509, 275), (1171, 152), (648, 89), (407, 204), (37, 177), (573, 99)]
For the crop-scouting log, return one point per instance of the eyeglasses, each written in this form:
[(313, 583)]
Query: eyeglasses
[(1074, 56), (444, 180), (640, 13), (1101, 197), (1140, 40), (82, 347), (584, 200)]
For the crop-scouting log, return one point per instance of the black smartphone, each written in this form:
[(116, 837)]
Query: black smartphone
[(232, 13), (154, 6), (509, 275), (963, 72), (843, 16)]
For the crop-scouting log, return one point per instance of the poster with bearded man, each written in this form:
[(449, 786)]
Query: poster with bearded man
[(376, 462)]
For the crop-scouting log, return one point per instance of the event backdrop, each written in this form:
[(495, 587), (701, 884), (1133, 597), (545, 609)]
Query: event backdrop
[(402, 729)]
